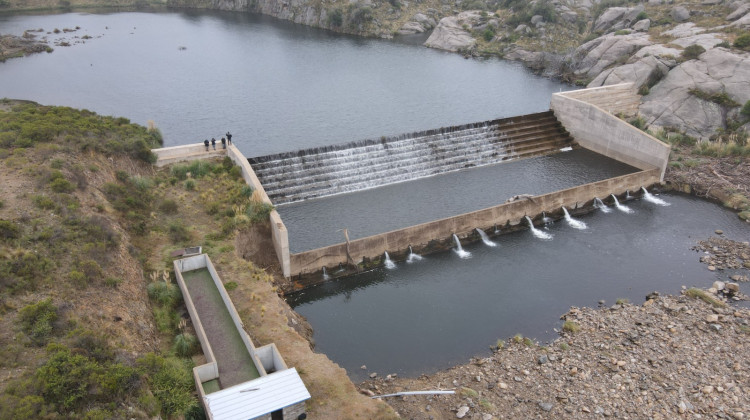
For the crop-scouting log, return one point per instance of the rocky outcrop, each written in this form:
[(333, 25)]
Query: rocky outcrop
[(595, 56), (673, 102), (616, 18), (419, 23), (452, 33), (545, 63)]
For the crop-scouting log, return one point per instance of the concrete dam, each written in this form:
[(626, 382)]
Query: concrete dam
[(325, 171), (586, 121)]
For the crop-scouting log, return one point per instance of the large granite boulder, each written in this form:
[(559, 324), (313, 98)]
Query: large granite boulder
[(671, 104), (450, 34), (639, 72), (740, 11), (616, 18), (680, 14), (593, 57)]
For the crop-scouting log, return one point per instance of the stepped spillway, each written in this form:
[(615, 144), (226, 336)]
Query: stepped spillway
[(310, 173)]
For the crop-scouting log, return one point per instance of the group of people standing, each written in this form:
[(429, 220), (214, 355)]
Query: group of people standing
[(224, 141)]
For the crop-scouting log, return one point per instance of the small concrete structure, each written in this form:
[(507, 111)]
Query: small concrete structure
[(587, 115), (272, 391)]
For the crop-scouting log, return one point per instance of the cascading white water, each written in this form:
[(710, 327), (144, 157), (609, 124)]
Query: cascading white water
[(546, 220), (413, 256), (623, 208), (459, 249), (295, 176), (575, 224), (599, 204), (388, 263), (486, 239), (652, 198), (325, 274), (537, 233), (497, 230)]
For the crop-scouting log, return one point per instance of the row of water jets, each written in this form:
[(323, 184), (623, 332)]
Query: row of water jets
[(540, 234)]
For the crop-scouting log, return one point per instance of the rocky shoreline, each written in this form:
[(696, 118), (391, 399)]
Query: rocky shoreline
[(671, 357)]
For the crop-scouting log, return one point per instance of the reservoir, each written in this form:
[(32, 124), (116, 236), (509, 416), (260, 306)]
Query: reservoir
[(275, 85), (437, 312)]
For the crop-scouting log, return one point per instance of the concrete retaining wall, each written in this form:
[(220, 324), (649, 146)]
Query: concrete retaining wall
[(464, 224), (209, 370), (622, 98), (596, 129), (278, 230), (168, 155)]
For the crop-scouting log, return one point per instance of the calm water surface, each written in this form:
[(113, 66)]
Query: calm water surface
[(438, 312), (276, 85)]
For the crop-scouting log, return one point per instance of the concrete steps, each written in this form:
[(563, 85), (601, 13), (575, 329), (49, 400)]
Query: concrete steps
[(311, 173)]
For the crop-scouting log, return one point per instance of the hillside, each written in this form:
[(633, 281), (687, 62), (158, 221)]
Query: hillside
[(92, 324)]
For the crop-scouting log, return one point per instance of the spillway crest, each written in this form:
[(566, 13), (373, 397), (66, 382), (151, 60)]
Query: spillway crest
[(310, 173)]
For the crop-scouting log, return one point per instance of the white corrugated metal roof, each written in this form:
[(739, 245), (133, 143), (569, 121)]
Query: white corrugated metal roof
[(257, 397)]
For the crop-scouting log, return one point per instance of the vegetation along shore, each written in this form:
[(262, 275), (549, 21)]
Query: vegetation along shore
[(92, 324)]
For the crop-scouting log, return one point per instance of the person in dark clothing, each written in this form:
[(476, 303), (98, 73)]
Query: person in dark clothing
[(213, 143), (223, 143), (205, 142), (229, 137)]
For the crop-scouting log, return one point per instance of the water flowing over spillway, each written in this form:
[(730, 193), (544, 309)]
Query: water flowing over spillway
[(324, 171)]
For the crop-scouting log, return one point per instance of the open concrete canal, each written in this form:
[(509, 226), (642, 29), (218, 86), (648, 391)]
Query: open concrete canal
[(441, 310)]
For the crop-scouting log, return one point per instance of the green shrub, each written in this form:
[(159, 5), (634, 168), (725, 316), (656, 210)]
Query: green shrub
[(488, 34), (178, 233), (571, 327), (164, 294), (56, 163), (112, 282), (170, 381), (546, 10), (638, 122), (24, 272), (62, 185), (721, 98), (235, 172), (190, 185), (746, 109), (230, 285), (723, 44), (168, 206), (185, 345), (9, 230), (196, 169), (336, 18), (78, 279), (743, 42), (259, 212), (692, 52), (37, 320), (642, 15)]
